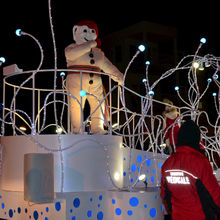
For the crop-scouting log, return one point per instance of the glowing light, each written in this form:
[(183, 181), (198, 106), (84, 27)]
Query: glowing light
[(144, 80), (59, 130), (22, 128), (203, 40), (2, 60), (18, 32), (82, 93), (115, 125), (151, 93), (163, 145), (142, 177), (215, 76), (116, 176), (141, 48), (195, 65), (147, 62), (176, 88), (214, 94), (209, 80), (62, 74)]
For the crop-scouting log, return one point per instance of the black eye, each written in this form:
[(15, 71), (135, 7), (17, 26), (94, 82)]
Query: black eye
[(93, 31), (85, 31)]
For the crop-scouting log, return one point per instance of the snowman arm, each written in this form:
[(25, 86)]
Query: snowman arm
[(74, 51), (112, 71)]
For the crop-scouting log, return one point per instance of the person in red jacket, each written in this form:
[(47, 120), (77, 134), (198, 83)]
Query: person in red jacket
[(189, 188)]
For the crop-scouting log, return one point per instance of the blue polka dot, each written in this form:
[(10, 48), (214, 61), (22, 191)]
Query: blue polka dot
[(3, 205), (10, 213), (41, 213), (132, 180), (100, 216), (46, 218), (153, 212), (124, 158), (139, 158), (76, 202), (148, 162), (19, 210), (148, 171), (118, 211), (113, 201), (73, 218), (124, 173), (47, 209), (35, 215), (71, 210), (133, 167), (130, 212), (155, 197), (91, 199), (98, 205), (89, 213), (154, 171), (57, 206), (161, 207), (152, 179), (159, 164), (134, 201), (100, 197), (145, 205), (26, 210)]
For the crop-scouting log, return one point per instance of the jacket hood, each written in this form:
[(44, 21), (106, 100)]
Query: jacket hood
[(189, 135)]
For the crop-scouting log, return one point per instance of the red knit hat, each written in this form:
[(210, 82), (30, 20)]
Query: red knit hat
[(92, 25)]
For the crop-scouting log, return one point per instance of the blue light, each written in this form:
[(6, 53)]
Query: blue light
[(214, 94), (209, 80), (134, 201), (133, 167), (148, 162), (147, 62), (89, 213), (130, 212), (82, 93), (100, 216), (152, 179), (159, 164), (176, 88), (18, 32), (203, 40), (2, 59), (151, 93), (144, 80), (113, 201), (141, 48), (62, 74), (139, 158)]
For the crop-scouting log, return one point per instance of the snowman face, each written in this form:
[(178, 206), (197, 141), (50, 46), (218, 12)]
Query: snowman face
[(82, 34)]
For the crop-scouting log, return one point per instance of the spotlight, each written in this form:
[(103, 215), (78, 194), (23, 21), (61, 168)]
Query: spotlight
[(203, 40), (116, 176), (82, 93), (176, 88), (147, 62), (151, 93), (62, 74), (18, 32), (141, 48)]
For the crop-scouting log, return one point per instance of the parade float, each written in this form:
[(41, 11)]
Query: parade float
[(85, 175)]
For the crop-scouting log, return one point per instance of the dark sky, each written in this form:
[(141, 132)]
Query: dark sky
[(193, 21)]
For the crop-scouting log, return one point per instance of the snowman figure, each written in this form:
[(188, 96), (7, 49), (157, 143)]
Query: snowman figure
[(85, 55)]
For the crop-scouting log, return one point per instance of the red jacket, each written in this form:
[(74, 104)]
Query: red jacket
[(181, 173), (169, 130)]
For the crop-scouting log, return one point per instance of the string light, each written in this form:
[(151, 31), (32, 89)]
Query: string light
[(18, 32), (141, 48)]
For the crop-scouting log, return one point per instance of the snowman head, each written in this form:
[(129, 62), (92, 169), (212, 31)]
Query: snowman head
[(85, 31)]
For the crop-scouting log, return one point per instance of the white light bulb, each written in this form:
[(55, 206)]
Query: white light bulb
[(2, 59), (142, 177), (209, 80), (214, 94), (18, 32), (62, 74), (195, 65), (116, 176), (203, 40), (147, 62), (151, 93), (176, 88), (215, 76), (141, 48), (144, 80)]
